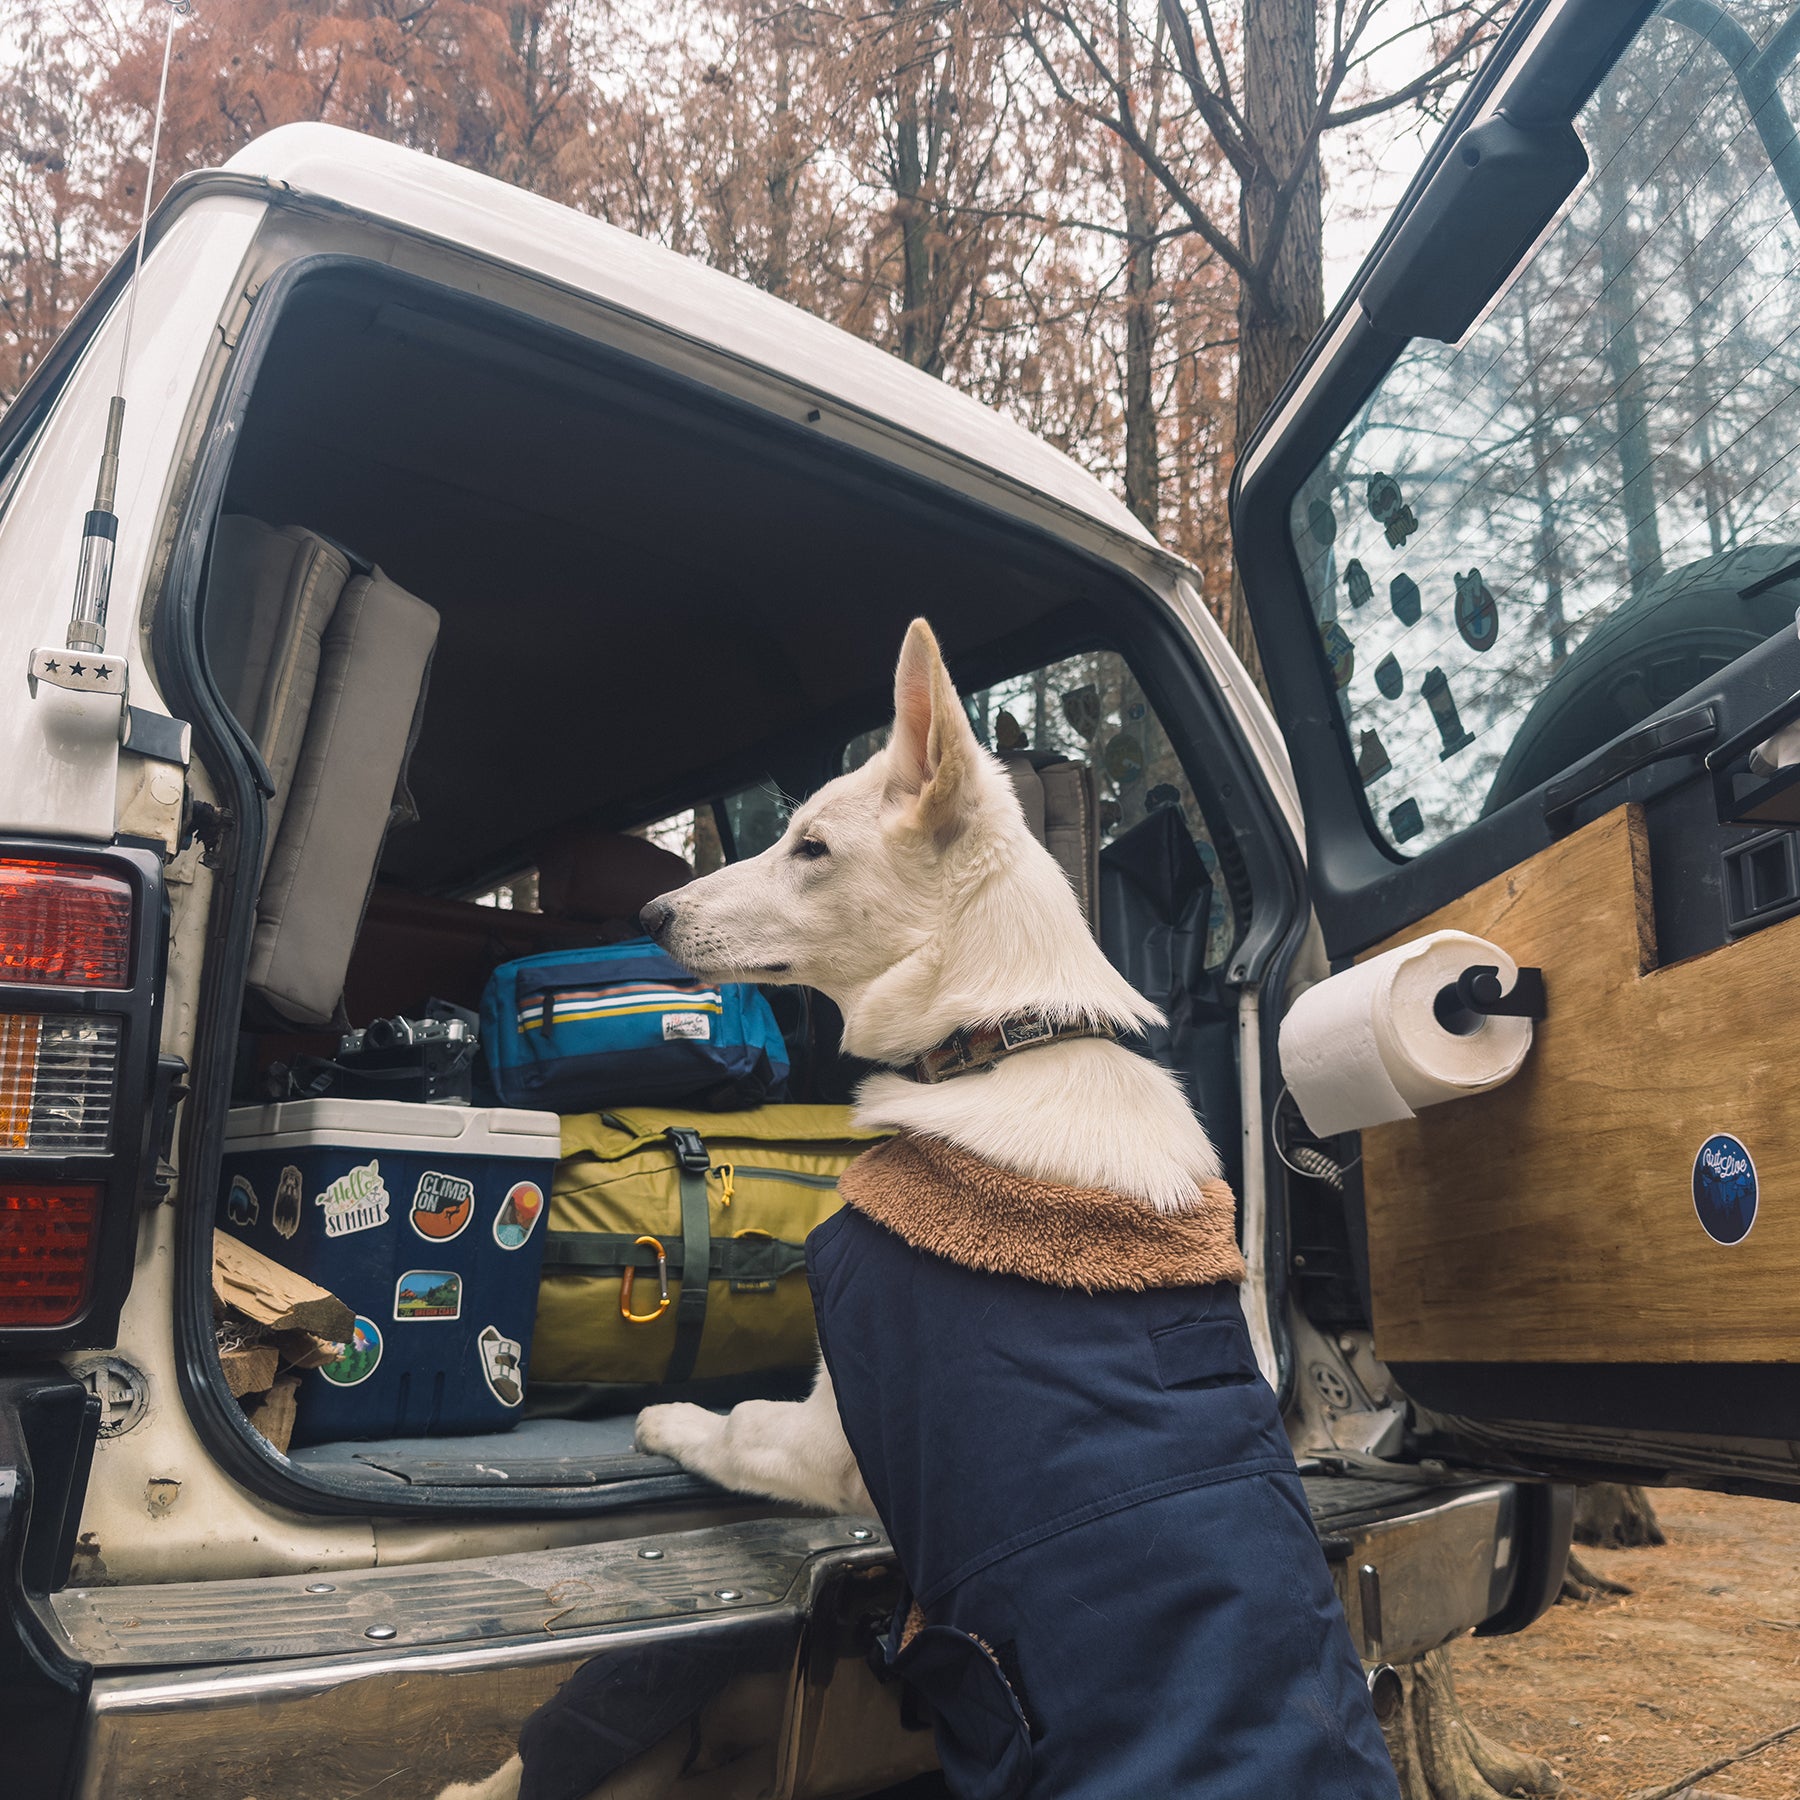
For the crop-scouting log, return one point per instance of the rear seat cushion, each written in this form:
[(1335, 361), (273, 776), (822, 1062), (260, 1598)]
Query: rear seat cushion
[(270, 597), (603, 876), (372, 668)]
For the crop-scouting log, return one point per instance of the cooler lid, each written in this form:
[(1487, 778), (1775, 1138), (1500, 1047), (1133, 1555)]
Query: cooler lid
[(399, 1125)]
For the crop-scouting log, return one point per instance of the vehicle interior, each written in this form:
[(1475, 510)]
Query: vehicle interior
[(525, 634)]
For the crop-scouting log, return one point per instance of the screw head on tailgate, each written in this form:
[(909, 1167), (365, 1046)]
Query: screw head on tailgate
[(652, 1555), (382, 1632), (321, 1587)]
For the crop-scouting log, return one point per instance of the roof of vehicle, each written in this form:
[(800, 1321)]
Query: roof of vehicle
[(528, 232)]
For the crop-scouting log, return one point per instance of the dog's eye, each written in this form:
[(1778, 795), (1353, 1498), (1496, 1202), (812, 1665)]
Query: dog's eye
[(812, 848)]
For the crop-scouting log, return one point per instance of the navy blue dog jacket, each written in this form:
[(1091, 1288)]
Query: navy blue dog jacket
[(1117, 1591)]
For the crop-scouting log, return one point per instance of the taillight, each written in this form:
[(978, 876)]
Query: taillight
[(58, 1082), (46, 1240), (63, 923)]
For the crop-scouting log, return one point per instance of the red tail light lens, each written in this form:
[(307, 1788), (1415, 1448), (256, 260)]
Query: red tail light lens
[(63, 923), (46, 1239)]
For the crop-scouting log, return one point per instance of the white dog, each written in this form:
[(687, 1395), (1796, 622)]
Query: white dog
[(1029, 1298), (913, 893)]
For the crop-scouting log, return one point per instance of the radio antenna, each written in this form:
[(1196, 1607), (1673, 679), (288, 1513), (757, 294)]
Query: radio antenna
[(100, 529)]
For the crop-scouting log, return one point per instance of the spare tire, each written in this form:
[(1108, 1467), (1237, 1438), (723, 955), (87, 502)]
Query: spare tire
[(1679, 632)]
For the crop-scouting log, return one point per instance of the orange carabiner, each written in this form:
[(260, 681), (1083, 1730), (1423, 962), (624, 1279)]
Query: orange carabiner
[(662, 1277)]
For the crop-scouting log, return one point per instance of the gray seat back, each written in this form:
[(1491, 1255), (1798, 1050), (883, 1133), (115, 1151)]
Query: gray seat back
[(348, 784), (270, 597)]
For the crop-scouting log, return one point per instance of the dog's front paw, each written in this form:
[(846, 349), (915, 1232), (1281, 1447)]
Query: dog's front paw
[(680, 1430)]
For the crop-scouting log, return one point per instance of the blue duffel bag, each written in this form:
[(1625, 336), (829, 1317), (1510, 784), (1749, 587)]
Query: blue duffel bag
[(624, 1025)]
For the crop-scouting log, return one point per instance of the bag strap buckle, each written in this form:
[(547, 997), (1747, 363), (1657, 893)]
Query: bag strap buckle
[(690, 1149)]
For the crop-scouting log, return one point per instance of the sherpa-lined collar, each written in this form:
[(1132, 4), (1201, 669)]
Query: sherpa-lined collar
[(954, 1205)]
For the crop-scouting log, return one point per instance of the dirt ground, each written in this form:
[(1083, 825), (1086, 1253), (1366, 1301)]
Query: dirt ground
[(1701, 1659)]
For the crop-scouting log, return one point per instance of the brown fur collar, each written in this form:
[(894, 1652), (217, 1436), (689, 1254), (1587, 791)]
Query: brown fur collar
[(954, 1205)]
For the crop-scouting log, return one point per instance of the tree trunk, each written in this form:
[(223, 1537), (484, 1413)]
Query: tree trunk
[(1278, 315), (1616, 1517), (1439, 1755), (1143, 475)]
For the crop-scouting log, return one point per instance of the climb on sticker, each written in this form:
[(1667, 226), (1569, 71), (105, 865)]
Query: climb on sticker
[(1725, 1189)]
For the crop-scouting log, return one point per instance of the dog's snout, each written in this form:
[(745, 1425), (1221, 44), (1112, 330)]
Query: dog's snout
[(656, 916)]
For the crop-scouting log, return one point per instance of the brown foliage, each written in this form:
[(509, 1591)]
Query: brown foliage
[(903, 168)]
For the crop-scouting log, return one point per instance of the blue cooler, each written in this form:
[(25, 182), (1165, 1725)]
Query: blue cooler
[(428, 1223)]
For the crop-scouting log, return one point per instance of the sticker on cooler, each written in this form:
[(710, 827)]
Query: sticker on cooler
[(242, 1206), (686, 1025), (442, 1205), (355, 1202), (428, 1294), (518, 1213), (500, 1365), (1725, 1189), (290, 1192), (360, 1357)]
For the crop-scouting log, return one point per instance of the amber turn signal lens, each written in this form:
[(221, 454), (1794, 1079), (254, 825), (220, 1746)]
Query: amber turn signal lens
[(46, 1240), (63, 924)]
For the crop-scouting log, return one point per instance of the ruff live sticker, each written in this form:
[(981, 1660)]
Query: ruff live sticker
[(1725, 1189)]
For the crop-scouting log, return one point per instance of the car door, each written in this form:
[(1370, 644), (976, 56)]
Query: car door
[(1522, 546)]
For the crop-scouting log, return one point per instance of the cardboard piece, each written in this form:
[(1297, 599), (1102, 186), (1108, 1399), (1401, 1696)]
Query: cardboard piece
[(264, 1291)]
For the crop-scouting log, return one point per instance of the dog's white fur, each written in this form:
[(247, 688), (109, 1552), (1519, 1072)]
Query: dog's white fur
[(929, 907)]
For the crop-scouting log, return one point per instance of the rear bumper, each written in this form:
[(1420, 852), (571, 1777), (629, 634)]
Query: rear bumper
[(399, 1681)]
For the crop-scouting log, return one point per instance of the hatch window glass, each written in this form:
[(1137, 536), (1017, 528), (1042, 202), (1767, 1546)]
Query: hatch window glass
[(1525, 544)]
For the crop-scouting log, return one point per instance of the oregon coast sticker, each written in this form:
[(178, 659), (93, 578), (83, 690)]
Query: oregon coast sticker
[(1725, 1189), (428, 1294)]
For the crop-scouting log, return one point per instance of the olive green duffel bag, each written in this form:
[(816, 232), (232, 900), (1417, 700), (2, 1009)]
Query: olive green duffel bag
[(642, 1196)]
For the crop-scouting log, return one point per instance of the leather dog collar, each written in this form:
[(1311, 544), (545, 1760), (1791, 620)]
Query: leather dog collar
[(976, 1047)]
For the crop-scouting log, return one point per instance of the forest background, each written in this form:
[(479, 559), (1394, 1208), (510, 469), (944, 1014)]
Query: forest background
[(1113, 219)]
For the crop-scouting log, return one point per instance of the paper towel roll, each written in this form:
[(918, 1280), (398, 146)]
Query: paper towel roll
[(1365, 1047)]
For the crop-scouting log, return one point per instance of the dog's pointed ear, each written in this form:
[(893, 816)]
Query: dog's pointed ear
[(932, 753)]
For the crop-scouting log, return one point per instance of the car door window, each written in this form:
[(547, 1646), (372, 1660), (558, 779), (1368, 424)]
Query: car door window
[(1091, 709), (1524, 544)]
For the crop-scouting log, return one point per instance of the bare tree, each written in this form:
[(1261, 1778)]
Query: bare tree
[(1264, 97)]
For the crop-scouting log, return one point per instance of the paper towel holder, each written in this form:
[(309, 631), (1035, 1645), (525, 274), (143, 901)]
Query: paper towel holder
[(1475, 995)]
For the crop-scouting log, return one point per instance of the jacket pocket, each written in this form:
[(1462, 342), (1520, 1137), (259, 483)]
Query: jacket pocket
[(1204, 1353), (983, 1740)]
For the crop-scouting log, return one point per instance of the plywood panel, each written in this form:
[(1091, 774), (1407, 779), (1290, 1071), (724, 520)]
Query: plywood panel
[(1552, 1220)]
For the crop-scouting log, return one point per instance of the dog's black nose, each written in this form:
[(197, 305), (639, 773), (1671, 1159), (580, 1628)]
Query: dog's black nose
[(656, 916)]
